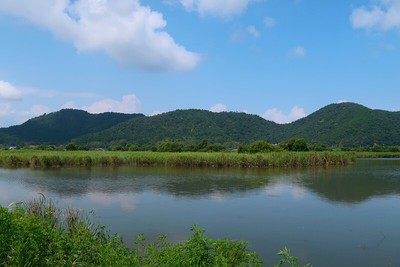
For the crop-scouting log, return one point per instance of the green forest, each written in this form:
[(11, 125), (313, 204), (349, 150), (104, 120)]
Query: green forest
[(344, 125)]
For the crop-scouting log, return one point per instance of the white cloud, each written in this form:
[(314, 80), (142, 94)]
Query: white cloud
[(38, 110), (9, 92), (218, 108), (69, 105), (128, 104), (125, 30), (156, 112), (269, 22), (6, 109), (18, 116), (385, 16), (223, 8), (297, 51), (253, 31), (342, 101), (278, 116)]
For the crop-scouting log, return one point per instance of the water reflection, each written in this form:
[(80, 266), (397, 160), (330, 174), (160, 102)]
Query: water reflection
[(355, 184), (327, 216), (352, 184)]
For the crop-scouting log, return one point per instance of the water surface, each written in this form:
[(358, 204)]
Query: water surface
[(347, 216)]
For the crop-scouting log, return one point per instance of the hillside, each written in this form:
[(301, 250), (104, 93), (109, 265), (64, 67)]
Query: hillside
[(348, 124), (187, 126), (345, 124), (60, 127)]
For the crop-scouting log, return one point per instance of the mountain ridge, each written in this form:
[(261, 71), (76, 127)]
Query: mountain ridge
[(341, 124)]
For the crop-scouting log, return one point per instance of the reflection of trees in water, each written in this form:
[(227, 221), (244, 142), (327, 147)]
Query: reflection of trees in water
[(179, 182), (351, 184), (354, 184)]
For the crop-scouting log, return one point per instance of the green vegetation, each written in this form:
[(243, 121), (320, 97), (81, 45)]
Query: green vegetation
[(37, 233), (47, 159), (334, 126), (348, 125), (60, 127)]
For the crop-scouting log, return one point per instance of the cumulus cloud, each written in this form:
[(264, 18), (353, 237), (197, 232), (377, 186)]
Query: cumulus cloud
[(128, 104), (218, 108), (384, 16), (297, 51), (9, 92), (269, 22), (6, 109), (253, 31), (224, 8), (278, 116), (126, 31)]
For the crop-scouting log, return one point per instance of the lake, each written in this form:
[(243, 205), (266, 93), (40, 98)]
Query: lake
[(336, 216)]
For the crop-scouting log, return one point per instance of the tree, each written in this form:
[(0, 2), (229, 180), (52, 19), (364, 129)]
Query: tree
[(296, 144)]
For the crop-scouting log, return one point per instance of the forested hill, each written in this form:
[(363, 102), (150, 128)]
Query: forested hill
[(188, 126), (60, 127), (346, 124)]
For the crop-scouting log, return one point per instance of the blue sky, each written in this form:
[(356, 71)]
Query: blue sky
[(280, 59)]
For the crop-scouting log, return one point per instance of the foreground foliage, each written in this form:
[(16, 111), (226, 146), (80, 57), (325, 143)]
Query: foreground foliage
[(37, 233)]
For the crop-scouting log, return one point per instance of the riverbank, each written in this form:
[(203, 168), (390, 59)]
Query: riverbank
[(56, 159)]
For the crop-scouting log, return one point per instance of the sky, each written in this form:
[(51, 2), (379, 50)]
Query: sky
[(279, 59)]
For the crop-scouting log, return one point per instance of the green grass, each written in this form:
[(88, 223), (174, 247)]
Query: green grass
[(37, 233), (54, 159), (377, 154)]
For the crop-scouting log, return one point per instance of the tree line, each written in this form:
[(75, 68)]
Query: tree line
[(258, 146)]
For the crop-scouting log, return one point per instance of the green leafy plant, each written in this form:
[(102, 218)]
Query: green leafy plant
[(289, 260)]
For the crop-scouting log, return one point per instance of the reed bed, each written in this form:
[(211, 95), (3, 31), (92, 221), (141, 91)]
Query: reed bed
[(57, 159)]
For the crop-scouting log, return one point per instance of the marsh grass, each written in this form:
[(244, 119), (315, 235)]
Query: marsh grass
[(57, 159)]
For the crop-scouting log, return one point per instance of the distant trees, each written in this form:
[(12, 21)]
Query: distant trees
[(295, 144), (259, 146)]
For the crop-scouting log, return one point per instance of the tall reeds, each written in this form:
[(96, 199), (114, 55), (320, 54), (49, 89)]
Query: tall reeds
[(56, 159)]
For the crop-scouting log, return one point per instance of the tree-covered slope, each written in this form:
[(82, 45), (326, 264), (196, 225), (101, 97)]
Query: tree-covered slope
[(187, 126), (60, 127), (347, 124)]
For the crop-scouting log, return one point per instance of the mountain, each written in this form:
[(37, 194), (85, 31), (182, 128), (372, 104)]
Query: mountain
[(187, 126), (60, 127), (347, 124), (344, 124)]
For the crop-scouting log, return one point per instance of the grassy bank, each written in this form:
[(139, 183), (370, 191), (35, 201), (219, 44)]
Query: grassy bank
[(37, 233), (49, 159), (377, 154)]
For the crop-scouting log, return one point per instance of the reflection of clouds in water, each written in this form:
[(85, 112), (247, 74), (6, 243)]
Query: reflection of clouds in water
[(4, 196), (275, 190), (126, 201), (10, 194), (218, 196), (298, 192), (278, 190)]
